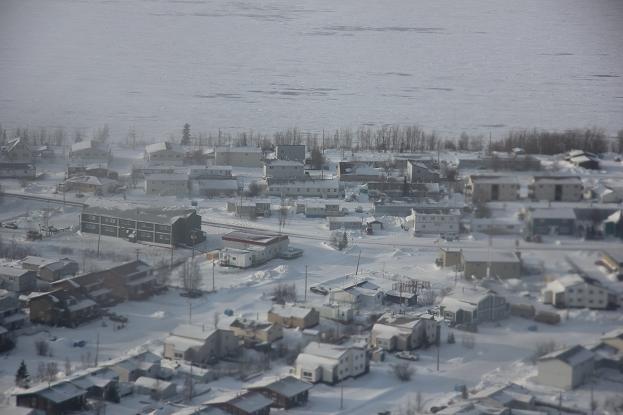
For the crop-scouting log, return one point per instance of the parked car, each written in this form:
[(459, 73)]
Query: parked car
[(414, 357), (319, 290), (33, 235), (191, 293), (80, 343), (117, 317), (10, 225)]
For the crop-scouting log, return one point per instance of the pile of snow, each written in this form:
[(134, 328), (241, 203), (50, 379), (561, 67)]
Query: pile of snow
[(159, 315)]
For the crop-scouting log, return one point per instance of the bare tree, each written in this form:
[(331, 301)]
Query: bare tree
[(404, 372)]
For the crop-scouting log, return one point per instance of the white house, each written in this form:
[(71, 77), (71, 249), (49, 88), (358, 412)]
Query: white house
[(362, 294), (155, 388), (284, 170), (575, 291), (566, 368), (162, 184), (329, 363), (444, 224), (238, 156), (246, 249), (492, 188), (556, 188), (164, 154), (309, 188), (90, 151), (404, 332)]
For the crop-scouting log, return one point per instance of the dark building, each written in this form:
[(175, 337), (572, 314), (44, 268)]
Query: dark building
[(285, 393), (292, 152), (161, 226), (62, 308), (56, 399), (246, 403)]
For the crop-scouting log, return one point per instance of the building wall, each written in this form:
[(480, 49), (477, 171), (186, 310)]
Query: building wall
[(426, 223), (304, 190), (21, 284), (17, 171), (484, 191), (418, 174), (553, 372), (547, 191), (238, 158), (503, 270), (554, 226), (90, 154), (291, 152), (281, 172), (164, 157), (584, 295), (166, 187)]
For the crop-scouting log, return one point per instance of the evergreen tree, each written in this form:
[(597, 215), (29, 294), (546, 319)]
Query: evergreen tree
[(317, 159), (22, 378), (186, 135)]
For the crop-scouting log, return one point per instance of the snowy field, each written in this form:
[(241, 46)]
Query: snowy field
[(450, 66)]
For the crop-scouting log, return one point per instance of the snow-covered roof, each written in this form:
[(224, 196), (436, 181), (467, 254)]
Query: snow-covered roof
[(490, 255), (156, 215), (290, 310), (152, 148), (614, 334), (494, 179), (152, 383), (573, 356), (325, 350), (92, 180), (87, 144), (288, 386), (565, 282), (217, 184), (313, 184), (238, 150), (194, 332), (556, 180), (248, 402), (14, 272), (82, 305), (284, 163)]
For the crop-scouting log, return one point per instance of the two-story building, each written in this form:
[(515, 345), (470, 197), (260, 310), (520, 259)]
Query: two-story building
[(556, 188), (283, 171), (329, 363), (164, 154), (481, 189)]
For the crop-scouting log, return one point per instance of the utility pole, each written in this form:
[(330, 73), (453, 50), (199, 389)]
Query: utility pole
[(137, 251), (342, 394), (97, 348), (213, 285), (171, 260), (99, 238), (305, 294), (560, 403), (358, 258), (190, 310)]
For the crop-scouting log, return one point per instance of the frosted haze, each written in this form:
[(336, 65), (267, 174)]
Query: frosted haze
[(449, 66)]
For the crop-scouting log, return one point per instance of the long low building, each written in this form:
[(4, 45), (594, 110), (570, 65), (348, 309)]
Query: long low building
[(309, 188), (162, 226), (17, 171), (245, 249)]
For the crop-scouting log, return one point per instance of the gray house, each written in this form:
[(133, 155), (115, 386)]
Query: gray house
[(292, 152), (551, 221), (469, 305), (566, 368), (17, 280)]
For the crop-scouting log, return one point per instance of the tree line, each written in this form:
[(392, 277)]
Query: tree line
[(386, 138)]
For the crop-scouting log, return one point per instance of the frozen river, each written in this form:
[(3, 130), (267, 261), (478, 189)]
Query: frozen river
[(447, 65)]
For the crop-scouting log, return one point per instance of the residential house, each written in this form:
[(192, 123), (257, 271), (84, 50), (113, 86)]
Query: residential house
[(157, 389), (338, 312), (256, 333), (471, 305), (347, 223), (449, 257), (17, 171), (134, 280), (43, 152), (283, 171), (444, 224), (404, 332), (590, 221), (17, 151), (565, 369), (238, 156), (17, 279), (556, 188), (291, 152), (329, 363), (287, 392), (156, 225), (89, 184), (250, 209), (357, 294), (11, 315), (245, 403), (90, 151), (58, 398), (614, 338), (198, 346), (492, 188), (373, 225), (95, 170), (48, 269), (164, 154), (290, 316), (359, 171), (516, 399), (496, 226), (491, 264), (167, 184), (321, 210), (97, 382), (249, 248), (418, 172), (62, 308), (325, 189), (551, 221), (583, 159), (130, 368), (573, 291), (214, 187), (210, 172)]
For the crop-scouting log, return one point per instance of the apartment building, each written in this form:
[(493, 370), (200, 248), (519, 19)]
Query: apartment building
[(556, 188), (492, 188)]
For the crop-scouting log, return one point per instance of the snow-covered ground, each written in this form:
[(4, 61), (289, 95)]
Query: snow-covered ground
[(474, 66)]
